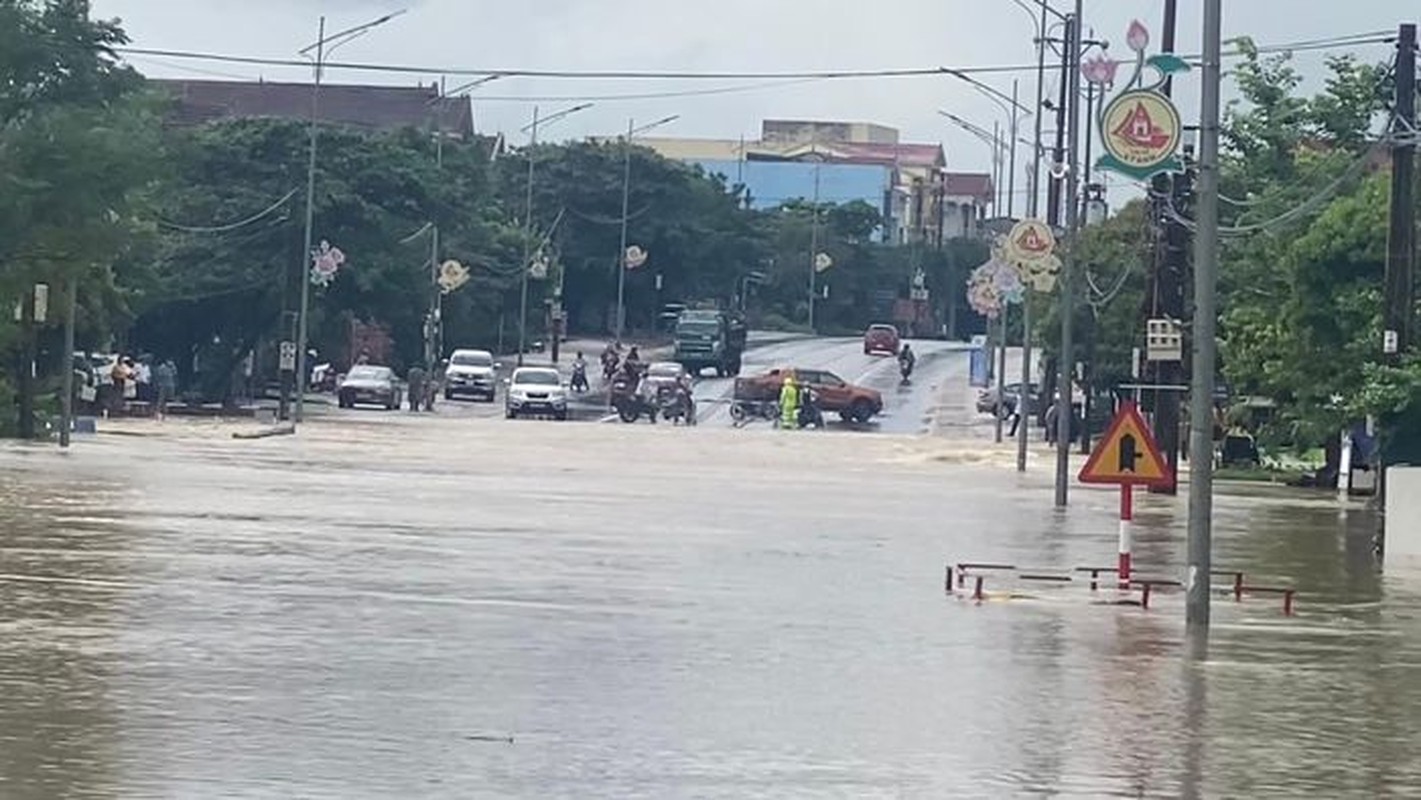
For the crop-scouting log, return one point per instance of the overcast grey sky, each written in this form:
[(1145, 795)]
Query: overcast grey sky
[(720, 35)]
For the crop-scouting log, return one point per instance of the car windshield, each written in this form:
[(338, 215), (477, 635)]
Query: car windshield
[(829, 379), (541, 377), (471, 360), (665, 370), (883, 329), (367, 373), (698, 328)]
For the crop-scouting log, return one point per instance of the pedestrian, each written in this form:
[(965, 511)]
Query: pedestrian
[(789, 402), (121, 378), (1051, 414), (416, 379), (143, 380), (1015, 419), (165, 377)]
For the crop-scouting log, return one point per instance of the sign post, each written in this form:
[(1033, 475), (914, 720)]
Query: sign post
[(1127, 456)]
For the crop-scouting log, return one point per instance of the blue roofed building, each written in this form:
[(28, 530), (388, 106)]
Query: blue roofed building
[(841, 162)]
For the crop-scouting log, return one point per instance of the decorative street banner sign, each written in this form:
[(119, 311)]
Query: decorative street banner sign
[(635, 257), (1140, 128), (452, 275), (325, 263), (1031, 246)]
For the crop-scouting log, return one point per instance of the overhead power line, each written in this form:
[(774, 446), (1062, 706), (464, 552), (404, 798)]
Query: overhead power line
[(1343, 41), (253, 219)]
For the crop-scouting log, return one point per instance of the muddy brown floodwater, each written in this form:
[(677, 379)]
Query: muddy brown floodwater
[(401, 607)]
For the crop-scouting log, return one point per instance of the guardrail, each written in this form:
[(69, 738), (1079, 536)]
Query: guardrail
[(956, 577)]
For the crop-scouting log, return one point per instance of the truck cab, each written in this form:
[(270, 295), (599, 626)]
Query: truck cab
[(710, 338)]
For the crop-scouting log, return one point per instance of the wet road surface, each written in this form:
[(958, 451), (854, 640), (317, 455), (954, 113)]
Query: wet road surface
[(908, 407), (369, 609)]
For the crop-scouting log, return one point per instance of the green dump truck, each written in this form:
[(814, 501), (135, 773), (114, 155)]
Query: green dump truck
[(710, 338)]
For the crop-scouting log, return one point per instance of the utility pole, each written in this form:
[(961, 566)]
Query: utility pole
[(814, 248), (433, 348), (66, 399), (1167, 298), (1206, 256), (1065, 411), (1401, 236), (1058, 153), (26, 366)]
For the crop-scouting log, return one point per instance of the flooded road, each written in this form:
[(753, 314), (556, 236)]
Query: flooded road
[(400, 606)]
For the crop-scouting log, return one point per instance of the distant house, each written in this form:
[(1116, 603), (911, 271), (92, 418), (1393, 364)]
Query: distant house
[(965, 197), (841, 162), (380, 108)]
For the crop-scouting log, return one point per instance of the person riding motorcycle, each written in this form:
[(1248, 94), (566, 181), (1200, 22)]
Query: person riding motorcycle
[(579, 373), (633, 359), (906, 361), (610, 361)]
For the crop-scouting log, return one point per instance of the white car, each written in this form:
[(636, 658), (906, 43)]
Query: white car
[(471, 373), (536, 391)]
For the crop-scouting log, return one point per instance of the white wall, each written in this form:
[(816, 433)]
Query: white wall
[(1403, 512)]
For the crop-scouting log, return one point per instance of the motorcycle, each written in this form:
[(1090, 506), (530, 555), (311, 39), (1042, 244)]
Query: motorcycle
[(629, 404), (905, 368), (579, 378), (676, 405)]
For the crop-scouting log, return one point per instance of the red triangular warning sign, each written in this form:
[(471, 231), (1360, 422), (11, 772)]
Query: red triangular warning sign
[(1127, 454)]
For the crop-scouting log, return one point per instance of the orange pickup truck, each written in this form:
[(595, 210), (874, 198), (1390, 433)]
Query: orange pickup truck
[(854, 403)]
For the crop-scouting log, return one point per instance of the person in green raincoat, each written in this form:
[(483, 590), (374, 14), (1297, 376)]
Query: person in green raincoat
[(789, 402)]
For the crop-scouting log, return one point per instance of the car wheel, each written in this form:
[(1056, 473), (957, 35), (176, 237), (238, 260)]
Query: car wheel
[(628, 414), (561, 416), (509, 413), (448, 395), (861, 411)]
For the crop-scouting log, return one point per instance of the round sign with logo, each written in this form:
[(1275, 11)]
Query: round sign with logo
[(1030, 240), (1141, 131)]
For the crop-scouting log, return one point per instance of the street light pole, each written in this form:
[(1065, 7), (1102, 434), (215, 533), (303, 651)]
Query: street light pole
[(1011, 167), (632, 131), (306, 245), (1024, 409), (532, 130), (526, 264), (622, 248), (334, 40)]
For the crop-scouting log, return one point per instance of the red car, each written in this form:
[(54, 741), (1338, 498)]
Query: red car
[(881, 339)]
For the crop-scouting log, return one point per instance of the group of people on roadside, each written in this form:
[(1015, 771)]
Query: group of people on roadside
[(127, 380)]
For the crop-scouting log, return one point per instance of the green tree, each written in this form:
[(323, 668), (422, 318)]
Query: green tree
[(214, 292), (77, 147)]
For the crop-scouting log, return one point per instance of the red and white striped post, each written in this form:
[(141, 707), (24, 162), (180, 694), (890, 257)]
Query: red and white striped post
[(1127, 517)]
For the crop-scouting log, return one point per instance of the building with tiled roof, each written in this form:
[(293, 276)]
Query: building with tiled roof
[(383, 108)]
